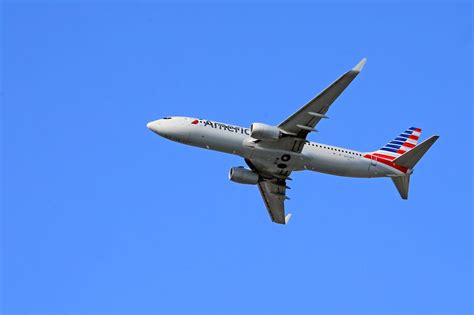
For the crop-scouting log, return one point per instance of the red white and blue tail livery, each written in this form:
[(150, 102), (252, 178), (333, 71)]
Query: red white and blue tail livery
[(405, 141), (272, 153)]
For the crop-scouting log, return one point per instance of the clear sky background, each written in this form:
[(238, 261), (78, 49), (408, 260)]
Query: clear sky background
[(101, 216)]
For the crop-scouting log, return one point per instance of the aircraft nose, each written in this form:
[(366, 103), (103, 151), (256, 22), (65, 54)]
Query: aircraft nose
[(150, 125), (154, 126)]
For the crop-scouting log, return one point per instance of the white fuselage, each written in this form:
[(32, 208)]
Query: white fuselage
[(236, 140)]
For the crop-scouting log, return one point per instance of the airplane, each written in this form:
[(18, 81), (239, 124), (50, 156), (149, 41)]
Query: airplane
[(272, 153)]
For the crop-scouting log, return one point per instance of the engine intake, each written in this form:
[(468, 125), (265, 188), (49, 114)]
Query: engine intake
[(264, 132), (243, 176)]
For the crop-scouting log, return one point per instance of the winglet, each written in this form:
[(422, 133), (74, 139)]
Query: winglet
[(358, 68), (287, 218)]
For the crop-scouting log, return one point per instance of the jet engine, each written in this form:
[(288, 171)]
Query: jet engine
[(243, 176), (264, 132)]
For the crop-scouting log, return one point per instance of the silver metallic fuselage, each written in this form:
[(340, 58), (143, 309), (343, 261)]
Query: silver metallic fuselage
[(236, 140)]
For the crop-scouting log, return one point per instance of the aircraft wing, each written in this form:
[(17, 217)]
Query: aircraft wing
[(295, 129), (306, 118), (273, 192), (272, 187)]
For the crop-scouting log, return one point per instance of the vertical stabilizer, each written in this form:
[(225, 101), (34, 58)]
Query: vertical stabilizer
[(403, 143), (402, 183)]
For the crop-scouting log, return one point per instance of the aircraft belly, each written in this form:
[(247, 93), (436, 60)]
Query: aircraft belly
[(277, 160), (274, 161), (381, 170), (339, 165)]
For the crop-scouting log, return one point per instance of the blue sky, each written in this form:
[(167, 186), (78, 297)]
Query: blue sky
[(101, 216)]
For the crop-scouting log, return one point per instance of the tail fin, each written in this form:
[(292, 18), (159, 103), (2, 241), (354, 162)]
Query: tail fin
[(412, 157), (409, 160), (403, 143)]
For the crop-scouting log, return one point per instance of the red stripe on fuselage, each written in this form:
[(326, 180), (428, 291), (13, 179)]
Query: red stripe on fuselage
[(408, 145), (388, 157), (386, 162), (413, 137)]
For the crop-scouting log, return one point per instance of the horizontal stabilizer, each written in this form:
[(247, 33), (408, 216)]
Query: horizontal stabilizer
[(410, 158), (402, 183), (358, 68)]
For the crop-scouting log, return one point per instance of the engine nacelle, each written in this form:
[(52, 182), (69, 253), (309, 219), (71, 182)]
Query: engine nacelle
[(264, 132), (243, 176)]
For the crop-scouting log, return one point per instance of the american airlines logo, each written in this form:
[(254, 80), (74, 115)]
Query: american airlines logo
[(221, 126)]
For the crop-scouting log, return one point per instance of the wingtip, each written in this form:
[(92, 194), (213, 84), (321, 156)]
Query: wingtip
[(358, 68)]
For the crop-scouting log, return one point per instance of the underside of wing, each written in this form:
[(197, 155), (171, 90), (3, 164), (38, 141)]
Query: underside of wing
[(272, 187), (306, 118), (273, 192)]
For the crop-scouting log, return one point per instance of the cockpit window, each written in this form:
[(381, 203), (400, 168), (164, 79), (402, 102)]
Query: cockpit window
[(166, 117)]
